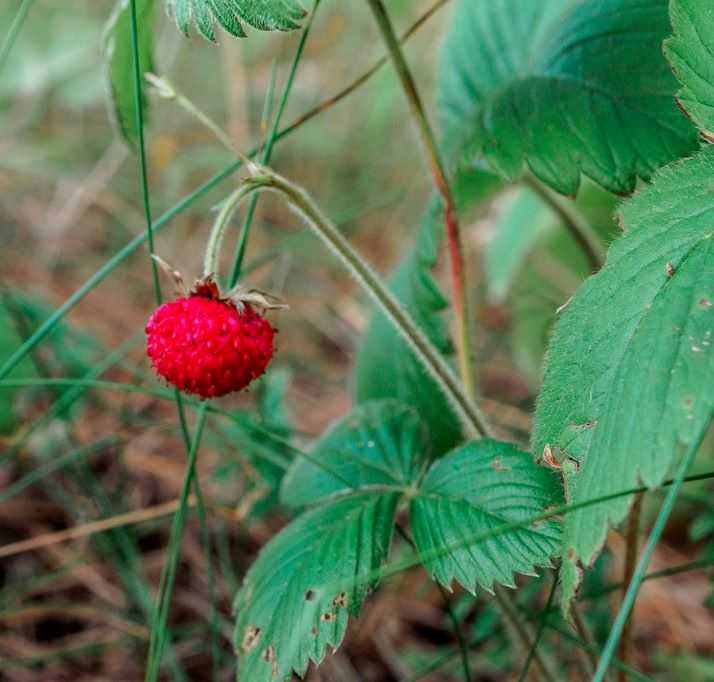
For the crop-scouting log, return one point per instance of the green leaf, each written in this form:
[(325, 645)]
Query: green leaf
[(691, 53), (379, 444), (266, 15), (120, 62), (517, 231), (386, 366), (568, 86), (629, 380), (297, 596), (480, 486), (550, 271)]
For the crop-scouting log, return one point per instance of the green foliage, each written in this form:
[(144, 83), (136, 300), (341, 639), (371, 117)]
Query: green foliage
[(629, 380), (71, 352), (386, 367), (297, 596), (356, 473), (690, 53), (267, 15), (567, 86), (380, 444), (473, 489), (536, 264), (515, 234), (119, 56), (261, 435), (9, 340)]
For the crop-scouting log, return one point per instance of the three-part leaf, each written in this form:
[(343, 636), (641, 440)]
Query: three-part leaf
[(691, 53), (476, 489), (630, 375), (298, 595), (379, 445), (306, 581), (567, 86), (119, 57), (267, 15)]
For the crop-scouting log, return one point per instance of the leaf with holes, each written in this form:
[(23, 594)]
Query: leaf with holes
[(266, 15), (386, 366), (568, 86), (629, 380), (473, 490), (297, 596), (691, 53), (380, 445), (119, 57)]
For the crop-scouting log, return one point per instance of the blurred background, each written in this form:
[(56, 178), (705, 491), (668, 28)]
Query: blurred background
[(75, 597)]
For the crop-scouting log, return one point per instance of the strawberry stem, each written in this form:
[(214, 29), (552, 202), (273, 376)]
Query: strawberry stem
[(302, 204), (211, 261)]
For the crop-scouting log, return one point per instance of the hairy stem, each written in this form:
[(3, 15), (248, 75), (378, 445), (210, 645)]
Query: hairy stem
[(223, 220), (302, 204), (633, 530), (574, 221), (441, 182)]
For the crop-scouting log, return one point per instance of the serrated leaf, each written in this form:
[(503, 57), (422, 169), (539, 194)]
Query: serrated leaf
[(266, 15), (380, 444), (297, 596), (691, 53), (119, 57), (386, 367), (477, 488), (629, 380), (567, 86)]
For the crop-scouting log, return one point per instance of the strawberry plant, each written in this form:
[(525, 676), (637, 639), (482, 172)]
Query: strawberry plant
[(580, 133)]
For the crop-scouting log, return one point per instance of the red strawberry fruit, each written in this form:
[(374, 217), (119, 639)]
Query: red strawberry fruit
[(207, 345)]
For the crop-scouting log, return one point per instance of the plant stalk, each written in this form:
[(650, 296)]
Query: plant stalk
[(633, 530), (441, 182), (130, 247), (541, 629), (458, 634), (589, 652), (267, 152), (641, 568), (574, 222), (521, 634), (302, 204), (215, 240)]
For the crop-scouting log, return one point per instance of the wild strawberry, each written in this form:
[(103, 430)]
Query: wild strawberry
[(208, 345)]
